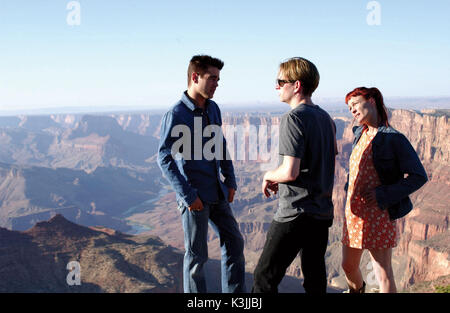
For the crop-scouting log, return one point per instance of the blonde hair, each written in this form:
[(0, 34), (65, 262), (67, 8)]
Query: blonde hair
[(303, 70)]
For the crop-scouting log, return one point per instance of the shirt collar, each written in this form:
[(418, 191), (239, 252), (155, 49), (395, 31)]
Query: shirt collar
[(188, 102)]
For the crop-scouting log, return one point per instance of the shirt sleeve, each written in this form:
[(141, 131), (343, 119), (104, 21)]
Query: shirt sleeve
[(410, 164), (168, 165), (291, 142)]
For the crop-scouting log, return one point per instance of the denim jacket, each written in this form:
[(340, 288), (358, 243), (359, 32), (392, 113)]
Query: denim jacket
[(393, 156), (189, 176)]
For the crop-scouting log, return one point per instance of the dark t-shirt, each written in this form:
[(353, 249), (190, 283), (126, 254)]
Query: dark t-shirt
[(308, 133)]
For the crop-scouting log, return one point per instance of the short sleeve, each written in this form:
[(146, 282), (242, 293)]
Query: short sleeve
[(291, 140)]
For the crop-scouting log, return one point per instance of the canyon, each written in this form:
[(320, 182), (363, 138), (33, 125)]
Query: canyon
[(101, 170)]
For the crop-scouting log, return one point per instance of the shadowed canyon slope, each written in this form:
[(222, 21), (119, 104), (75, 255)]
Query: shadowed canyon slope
[(30, 194), (36, 260)]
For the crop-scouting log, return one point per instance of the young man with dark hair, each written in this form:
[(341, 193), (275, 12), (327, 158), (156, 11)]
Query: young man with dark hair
[(304, 180), (201, 195)]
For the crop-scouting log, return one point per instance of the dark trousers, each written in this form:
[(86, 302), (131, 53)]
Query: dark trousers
[(305, 235)]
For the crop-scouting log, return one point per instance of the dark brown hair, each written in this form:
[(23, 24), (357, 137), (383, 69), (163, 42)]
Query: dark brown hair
[(200, 63)]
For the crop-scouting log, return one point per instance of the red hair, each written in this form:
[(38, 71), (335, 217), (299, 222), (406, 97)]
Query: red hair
[(371, 93)]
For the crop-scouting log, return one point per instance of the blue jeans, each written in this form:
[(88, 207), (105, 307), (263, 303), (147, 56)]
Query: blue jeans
[(195, 226)]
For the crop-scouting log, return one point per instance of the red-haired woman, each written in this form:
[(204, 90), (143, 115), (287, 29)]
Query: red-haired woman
[(377, 189)]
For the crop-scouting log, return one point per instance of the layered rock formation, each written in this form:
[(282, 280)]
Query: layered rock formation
[(78, 141), (425, 232)]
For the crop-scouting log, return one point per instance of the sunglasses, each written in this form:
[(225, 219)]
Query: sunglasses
[(281, 82)]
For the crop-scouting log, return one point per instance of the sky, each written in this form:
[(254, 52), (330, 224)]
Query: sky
[(117, 53)]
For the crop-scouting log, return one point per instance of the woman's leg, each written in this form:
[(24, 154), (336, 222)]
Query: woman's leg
[(381, 259), (351, 258)]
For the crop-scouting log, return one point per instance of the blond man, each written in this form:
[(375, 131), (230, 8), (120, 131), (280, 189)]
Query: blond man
[(304, 181)]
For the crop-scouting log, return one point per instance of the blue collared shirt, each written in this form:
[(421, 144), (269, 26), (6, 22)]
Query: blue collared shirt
[(191, 173)]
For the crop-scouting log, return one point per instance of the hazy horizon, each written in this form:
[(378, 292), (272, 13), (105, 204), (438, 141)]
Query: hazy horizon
[(332, 104)]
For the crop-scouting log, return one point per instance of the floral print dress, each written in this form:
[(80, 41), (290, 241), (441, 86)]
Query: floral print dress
[(365, 227)]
